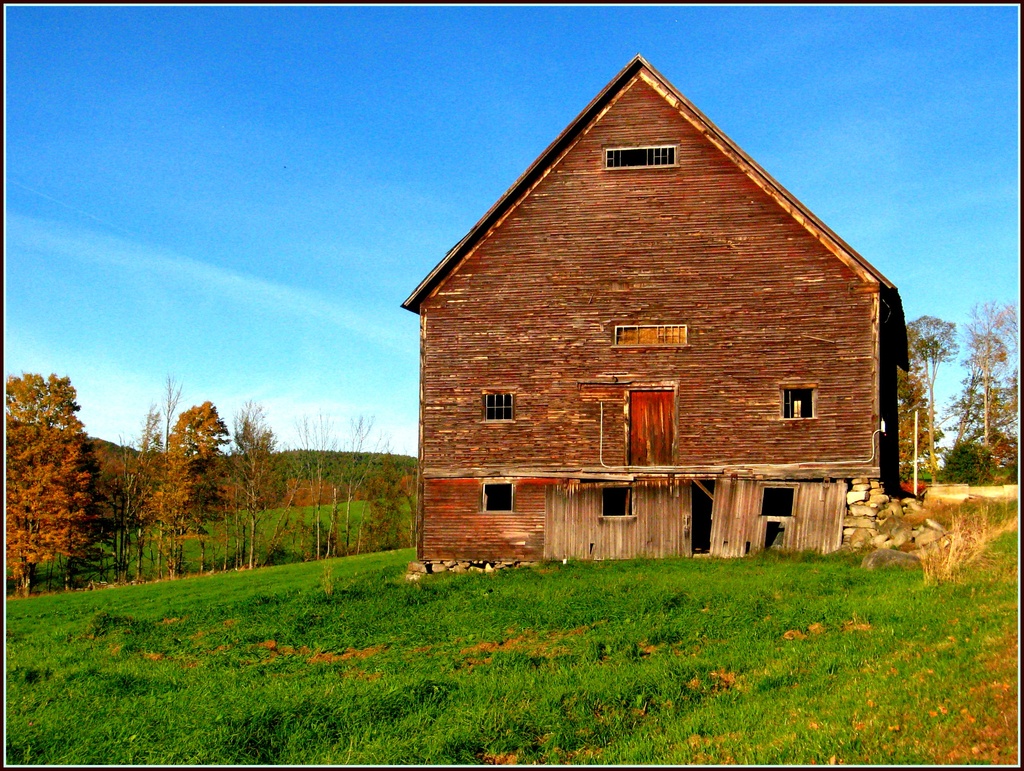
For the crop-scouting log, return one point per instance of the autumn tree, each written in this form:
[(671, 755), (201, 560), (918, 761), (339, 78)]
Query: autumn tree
[(252, 466), (131, 480), (50, 476), (932, 343), (191, 482)]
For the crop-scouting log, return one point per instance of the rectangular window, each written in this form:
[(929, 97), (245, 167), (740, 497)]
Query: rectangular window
[(616, 502), (497, 497), (798, 402), (651, 334), (497, 406), (623, 157)]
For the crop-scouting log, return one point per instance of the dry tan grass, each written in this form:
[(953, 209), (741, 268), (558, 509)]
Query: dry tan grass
[(327, 579), (971, 529)]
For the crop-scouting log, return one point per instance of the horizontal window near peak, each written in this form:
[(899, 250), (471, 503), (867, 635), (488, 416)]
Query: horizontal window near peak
[(626, 157), (651, 334)]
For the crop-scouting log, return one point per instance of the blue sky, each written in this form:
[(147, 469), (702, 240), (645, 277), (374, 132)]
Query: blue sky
[(242, 197)]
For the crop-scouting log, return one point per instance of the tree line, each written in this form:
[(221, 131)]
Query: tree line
[(88, 510), (981, 424)]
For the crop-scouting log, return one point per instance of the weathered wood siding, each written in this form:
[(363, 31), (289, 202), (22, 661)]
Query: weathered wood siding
[(738, 528), (532, 311), (454, 527), (659, 526)]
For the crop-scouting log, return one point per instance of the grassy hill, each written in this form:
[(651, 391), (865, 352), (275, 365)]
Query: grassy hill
[(777, 659)]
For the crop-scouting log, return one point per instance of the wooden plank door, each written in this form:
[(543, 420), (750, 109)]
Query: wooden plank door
[(650, 428)]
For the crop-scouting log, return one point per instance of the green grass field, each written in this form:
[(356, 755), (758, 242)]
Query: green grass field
[(295, 528), (777, 659)]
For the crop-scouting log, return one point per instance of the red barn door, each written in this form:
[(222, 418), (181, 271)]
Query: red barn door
[(650, 428)]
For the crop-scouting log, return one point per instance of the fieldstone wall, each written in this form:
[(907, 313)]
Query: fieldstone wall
[(876, 521), (417, 570)]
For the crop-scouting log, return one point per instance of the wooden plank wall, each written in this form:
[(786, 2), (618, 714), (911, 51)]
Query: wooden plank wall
[(533, 311), (816, 524), (659, 527), (455, 528)]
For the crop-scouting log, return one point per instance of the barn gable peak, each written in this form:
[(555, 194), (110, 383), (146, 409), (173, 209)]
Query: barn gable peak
[(639, 69)]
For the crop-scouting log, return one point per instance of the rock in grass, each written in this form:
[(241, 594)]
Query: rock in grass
[(884, 558), (900, 535), (926, 536)]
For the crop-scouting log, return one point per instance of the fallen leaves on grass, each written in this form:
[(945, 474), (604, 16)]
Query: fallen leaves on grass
[(987, 732), (545, 645), (794, 634), (326, 657), (499, 759), (723, 680)]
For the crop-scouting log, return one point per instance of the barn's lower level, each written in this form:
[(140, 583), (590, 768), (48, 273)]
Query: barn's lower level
[(524, 518)]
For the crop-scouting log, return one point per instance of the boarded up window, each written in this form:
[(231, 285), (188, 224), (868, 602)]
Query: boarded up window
[(651, 334), (615, 502), (650, 428), (498, 406), (498, 497), (621, 157), (798, 402)]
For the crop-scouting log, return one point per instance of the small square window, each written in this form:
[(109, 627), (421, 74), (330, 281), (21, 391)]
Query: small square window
[(616, 502), (777, 502), (498, 497), (498, 406), (798, 402)]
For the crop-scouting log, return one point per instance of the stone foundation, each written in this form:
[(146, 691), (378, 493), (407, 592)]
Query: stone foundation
[(422, 568)]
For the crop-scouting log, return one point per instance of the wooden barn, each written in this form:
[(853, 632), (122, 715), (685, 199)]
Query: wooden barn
[(649, 347)]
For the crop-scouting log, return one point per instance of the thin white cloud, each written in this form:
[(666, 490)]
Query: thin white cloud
[(56, 239)]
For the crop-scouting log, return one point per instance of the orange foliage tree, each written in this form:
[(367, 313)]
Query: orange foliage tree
[(50, 475), (191, 481)]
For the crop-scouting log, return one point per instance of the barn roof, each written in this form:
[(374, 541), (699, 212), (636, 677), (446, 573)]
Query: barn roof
[(640, 67)]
